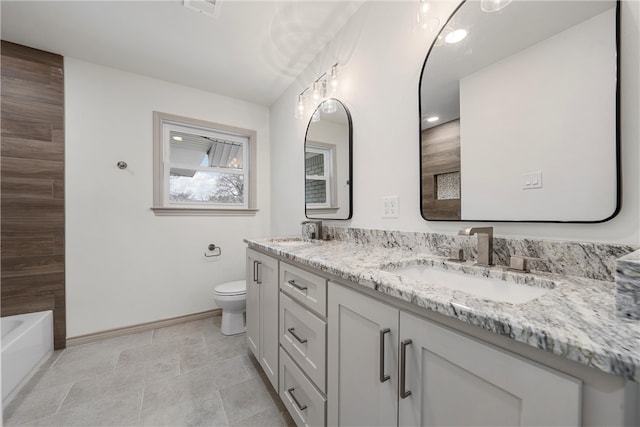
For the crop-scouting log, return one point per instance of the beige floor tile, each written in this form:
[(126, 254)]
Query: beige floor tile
[(196, 412), (68, 373), (117, 410), (198, 383), (104, 348), (27, 407), (247, 399), (267, 418), (187, 374), (85, 391)]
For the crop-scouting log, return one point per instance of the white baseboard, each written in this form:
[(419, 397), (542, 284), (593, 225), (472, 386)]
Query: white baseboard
[(110, 333)]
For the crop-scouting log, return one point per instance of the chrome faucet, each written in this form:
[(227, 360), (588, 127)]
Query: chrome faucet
[(485, 243), (318, 227)]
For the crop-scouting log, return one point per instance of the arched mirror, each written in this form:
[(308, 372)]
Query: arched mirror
[(519, 113), (327, 162)]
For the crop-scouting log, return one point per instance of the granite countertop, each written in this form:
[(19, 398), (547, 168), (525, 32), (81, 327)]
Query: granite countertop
[(575, 319)]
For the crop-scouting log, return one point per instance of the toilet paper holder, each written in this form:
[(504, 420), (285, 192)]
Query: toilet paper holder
[(217, 250)]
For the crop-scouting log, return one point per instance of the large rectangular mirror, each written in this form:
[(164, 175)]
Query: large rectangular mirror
[(327, 162), (519, 113)]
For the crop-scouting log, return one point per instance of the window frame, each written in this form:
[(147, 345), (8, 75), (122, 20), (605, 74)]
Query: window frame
[(161, 165)]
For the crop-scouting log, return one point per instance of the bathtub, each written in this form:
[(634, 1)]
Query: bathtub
[(27, 341)]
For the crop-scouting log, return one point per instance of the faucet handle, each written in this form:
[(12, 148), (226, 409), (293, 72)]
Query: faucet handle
[(521, 262)]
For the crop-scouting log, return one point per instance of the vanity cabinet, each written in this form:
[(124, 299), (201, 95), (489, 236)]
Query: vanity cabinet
[(303, 333), (389, 367), (362, 360), (262, 311)]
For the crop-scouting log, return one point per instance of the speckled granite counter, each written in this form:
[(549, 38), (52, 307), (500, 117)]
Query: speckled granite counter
[(576, 319)]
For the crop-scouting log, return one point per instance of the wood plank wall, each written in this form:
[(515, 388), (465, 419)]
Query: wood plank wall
[(32, 177), (440, 154)]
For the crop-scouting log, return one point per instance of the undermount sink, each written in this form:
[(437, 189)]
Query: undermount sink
[(289, 241), (484, 287)]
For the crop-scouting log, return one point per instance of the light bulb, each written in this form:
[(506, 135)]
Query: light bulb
[(316, 92), (493, 5), (329, 106), (333, 78), (455, 36), (299, 107)]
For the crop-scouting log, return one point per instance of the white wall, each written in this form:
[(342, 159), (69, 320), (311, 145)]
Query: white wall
[(381, 56), (125, 265), (530, 122)]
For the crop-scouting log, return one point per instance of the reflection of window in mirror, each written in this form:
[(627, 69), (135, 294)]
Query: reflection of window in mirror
[(320, 191), (201, 165)]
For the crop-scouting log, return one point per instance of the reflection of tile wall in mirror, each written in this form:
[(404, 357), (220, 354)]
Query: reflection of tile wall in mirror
[(448, 186)]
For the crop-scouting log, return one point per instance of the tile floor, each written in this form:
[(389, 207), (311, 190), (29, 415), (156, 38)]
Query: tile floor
[(183, 375)]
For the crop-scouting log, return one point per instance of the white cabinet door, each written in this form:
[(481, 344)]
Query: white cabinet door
[(362, 360), (456, 380), (262, 311), (253, 303)]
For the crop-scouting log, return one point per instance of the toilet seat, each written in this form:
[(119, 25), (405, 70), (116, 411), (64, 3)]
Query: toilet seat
[(231, 288)]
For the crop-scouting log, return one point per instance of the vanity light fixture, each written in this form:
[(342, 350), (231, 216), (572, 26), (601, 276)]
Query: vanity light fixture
[(424, 18), (323, 87), (493, 5)]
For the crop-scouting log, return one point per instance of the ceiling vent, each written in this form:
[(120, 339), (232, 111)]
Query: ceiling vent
[(206, 7)]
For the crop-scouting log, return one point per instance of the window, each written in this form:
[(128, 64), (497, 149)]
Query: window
[(202, 167), (319, 183)]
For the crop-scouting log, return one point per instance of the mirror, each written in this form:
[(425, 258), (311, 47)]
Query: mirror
[(519, 113), (327, 162)]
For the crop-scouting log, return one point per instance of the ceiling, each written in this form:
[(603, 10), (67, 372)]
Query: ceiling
[(491, 38), (250, 50)]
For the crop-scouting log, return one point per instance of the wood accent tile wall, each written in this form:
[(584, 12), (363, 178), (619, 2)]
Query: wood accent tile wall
[(440, 154), (32, 184)]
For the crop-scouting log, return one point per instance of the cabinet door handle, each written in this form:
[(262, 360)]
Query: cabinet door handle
[(301, 407), (255, 271), (258, 280), (295, 285), (383, 377), (403, 369), (300, 340)]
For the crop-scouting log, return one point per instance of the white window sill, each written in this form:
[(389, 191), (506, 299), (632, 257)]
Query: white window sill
[(160, 211), (322, 210)]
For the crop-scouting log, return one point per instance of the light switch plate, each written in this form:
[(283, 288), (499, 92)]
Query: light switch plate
[(531, 180), (390, 207)]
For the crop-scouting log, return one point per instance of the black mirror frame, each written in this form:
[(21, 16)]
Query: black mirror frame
[(617, 147), (350, 213)]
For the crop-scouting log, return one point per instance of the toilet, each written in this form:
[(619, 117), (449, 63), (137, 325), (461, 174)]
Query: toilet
[(231, 297)]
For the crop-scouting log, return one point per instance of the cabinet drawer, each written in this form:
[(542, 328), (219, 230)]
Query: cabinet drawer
[(306, 405), (305, 287), (303, 335)]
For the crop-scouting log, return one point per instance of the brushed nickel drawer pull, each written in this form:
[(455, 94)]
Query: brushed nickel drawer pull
[(403, 368), (301, 407), (383, 377), (295, 285), (300, 340)]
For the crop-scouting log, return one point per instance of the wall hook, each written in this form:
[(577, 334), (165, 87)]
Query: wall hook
[(121, 164), (213, 248)]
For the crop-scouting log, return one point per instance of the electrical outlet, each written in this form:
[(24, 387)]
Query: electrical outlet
[(390, 207), (531, 180)]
